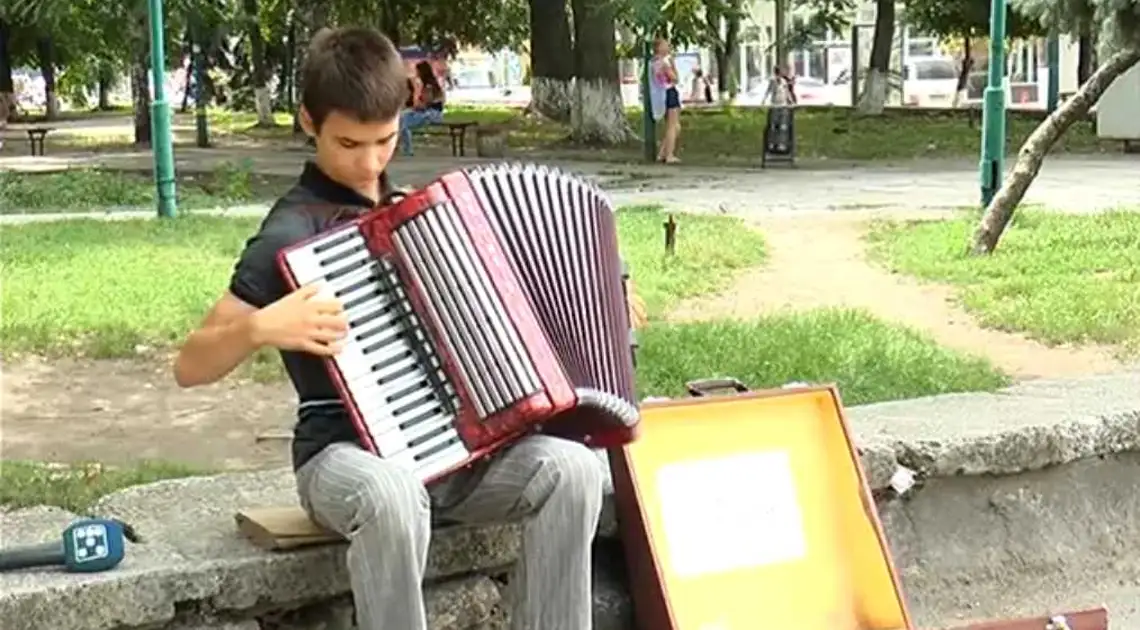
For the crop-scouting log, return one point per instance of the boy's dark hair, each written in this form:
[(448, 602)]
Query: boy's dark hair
[(356, 71)]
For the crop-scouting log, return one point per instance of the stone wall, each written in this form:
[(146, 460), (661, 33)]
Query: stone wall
[(193, 571), (1028, 502)]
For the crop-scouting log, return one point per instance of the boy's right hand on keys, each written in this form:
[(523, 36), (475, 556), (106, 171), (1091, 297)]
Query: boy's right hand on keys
[(303, 322)]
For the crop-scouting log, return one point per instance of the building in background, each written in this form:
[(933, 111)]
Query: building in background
[(921, 64)]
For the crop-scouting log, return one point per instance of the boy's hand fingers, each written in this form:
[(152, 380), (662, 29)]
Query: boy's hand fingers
[(320, 349), (328, 306), (306, 291), (332, 321), (326, 335)]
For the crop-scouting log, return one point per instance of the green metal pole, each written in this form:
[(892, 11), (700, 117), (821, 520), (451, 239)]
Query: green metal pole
[(993, 117), (648, 128), (1053, 55), (160, 134)]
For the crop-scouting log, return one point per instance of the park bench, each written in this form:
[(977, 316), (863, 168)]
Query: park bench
[(457, 132), (36, 136)]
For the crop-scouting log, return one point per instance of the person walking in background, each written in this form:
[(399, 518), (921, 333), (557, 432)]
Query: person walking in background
[(665, 99), (702, 89), (426, 108), (781, 88)]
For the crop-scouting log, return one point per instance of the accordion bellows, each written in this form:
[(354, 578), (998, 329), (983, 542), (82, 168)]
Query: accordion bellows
[(488, 305)]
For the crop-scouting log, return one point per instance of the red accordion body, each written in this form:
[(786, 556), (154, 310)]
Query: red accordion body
[(487, 305)]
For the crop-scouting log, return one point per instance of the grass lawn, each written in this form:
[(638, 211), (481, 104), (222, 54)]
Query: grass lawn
[(96, 190), (871, 361), (733, 136), (1058, 278), (76, 487), (709, 250), (100, 289)]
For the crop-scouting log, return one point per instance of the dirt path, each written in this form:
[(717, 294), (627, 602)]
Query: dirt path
[(821, 263), (116, 412)]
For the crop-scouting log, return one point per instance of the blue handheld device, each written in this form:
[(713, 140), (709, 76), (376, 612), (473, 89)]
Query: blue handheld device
[(87, 546)]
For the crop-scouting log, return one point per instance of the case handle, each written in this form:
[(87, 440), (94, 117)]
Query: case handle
[(706, 386)]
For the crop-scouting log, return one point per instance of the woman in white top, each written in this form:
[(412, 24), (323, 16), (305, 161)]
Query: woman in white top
[(665, 99)]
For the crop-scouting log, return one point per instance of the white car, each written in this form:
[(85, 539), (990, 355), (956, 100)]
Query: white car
[(813, 91), (930, 82)]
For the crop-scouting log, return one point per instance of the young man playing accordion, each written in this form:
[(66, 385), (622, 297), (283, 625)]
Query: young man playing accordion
[(355, 84)]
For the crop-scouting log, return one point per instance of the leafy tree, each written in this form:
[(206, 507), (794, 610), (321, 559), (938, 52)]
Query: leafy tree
[(957, 19), (1119, 25), (966, 21)]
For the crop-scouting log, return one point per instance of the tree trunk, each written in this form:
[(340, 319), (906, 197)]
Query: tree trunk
[(259, 78), (731, 88), (725, 47), (140, 81), (7, 86), (285, 79), (1085, 49), (877, 88), (714, 24), (140, 91), (551, 60), (188, 83), (723, 73), (1032, 153), (598, 114), (964, 72), (188, 41), (105, 81), (45, 51)]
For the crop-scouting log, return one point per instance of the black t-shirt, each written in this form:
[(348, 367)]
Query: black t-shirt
[(313, 205)]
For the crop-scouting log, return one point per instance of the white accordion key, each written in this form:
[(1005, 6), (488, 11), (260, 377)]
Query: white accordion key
[(421, 428), (434, 456), (320, 257)]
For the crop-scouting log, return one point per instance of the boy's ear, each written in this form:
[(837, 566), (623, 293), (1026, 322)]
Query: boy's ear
[(307, 123)]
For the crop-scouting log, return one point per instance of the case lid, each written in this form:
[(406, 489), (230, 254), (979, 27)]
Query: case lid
[(756, 514)]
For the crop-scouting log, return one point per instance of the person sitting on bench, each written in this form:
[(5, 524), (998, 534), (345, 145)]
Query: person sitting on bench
[(427, 108)]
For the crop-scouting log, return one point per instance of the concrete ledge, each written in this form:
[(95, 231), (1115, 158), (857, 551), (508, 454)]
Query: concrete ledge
[(1028, 502), (1021, 428), (1028, 499)]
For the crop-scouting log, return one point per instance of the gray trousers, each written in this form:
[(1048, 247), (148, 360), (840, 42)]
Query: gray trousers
[(553, 485)]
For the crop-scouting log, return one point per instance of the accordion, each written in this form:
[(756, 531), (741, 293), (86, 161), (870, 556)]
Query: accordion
[(487, 305)]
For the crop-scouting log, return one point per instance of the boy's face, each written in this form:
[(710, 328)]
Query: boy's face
[(352, 152)]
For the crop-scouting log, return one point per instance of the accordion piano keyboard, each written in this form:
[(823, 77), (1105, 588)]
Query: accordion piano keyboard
[(388, 365)]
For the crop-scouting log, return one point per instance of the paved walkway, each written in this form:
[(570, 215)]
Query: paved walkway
[(1077, 184)]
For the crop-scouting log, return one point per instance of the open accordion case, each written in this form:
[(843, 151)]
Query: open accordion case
[(751, 509)]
